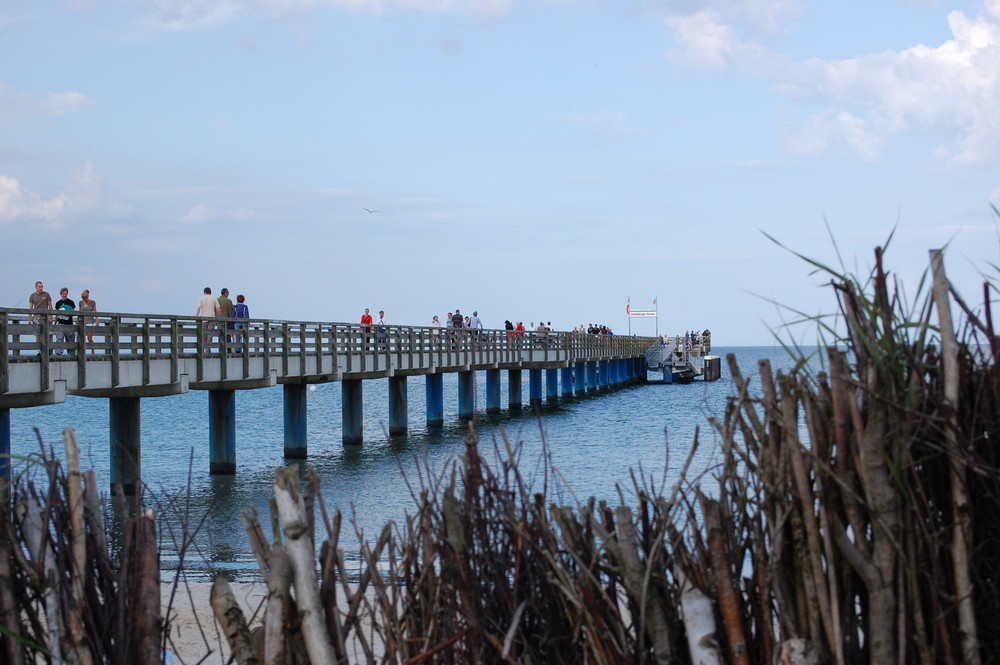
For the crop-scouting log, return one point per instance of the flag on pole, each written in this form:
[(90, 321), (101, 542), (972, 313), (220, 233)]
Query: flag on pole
[(654, 301), (628, 306)]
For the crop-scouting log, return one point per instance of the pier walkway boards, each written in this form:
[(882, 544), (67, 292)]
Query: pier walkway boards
[(126, 357)]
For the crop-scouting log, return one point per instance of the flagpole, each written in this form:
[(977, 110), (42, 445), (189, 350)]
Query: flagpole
[(628, 306), (656, 310)]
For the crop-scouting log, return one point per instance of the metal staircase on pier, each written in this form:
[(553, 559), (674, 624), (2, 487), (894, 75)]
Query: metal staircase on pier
[(682, 358)]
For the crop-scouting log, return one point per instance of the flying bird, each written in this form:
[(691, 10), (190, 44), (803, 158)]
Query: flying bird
[(369, 211)]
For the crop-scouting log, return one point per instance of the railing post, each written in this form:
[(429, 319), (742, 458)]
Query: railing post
[(116, 350)]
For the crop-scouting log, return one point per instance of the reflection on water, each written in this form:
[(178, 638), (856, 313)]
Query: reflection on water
[(592, 442)]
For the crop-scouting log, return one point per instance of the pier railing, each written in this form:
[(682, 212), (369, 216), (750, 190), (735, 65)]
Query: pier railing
[(214, 349)]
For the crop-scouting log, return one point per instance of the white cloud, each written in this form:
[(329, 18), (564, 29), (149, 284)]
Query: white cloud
[(82, 194), (184, 14), (16, 104), (203, 212), (954, 86), (822, 131), (200, 213)]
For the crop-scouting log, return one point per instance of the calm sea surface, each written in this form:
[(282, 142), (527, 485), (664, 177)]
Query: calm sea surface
[(593, 442)]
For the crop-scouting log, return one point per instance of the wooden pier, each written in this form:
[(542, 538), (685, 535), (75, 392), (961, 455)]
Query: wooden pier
[(134, 356)]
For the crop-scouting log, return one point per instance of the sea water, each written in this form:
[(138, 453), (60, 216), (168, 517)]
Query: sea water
[(594, 445)]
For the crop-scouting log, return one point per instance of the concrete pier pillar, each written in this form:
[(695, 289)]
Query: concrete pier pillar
[(126, 460), (435, 400), (352, 412), (580, 378), (514, 400), (492, 391), (602, 374), (668, 376), (4, 446), (535, 387), (466, 395), (295, 402), (551, 385), (592, 376), (567, 381), (222, 432), (397, 406)]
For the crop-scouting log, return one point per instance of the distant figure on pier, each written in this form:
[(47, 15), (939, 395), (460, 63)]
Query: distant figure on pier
[(66, 305), (208, 305), (240, 311), (40, 299), (366, 327), (381, 330), (88, 305), (225, 311)]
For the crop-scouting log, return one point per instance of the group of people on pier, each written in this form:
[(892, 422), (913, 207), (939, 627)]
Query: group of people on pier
[(41, 300), (223, 308)]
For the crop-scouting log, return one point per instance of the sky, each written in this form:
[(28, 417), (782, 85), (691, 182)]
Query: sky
[(528, 159)]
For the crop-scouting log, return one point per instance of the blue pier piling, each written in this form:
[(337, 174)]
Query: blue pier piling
[(592, 376), (492, 391), (551, 385), (466, 395), (397, 406), (580, 378), (295, 402), (567, 381), (603, 374), (668, 376), (126, 460), (222, 432), (4, 446), (514, 400), (352, 412), (534, 387), (435, 400)]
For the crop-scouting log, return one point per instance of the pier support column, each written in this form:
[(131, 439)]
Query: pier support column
[(397, 406), (580, 378), (352, 412), (492, 391), (668, 375), (551, 385), (295, 419), (567, 381), (466, 394), (514, 390), (126, 460), (222, 432), (4, 446), (435, 400), (592, 376), (602, 374), (535, 387)]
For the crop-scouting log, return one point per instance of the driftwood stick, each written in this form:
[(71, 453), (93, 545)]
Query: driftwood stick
[(78, 544), (699, 622), (34, 533), (278, 615), (149, 626), (291, 508), (233, 623), (724, 588), (961, 541)]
